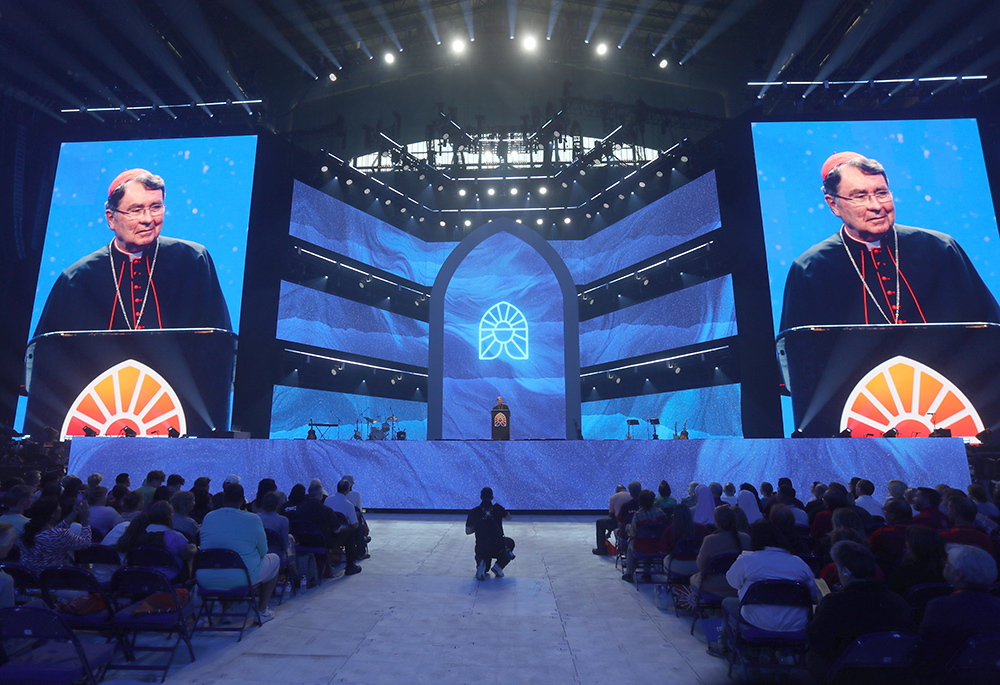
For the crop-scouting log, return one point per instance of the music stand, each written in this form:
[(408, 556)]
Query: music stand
[(628, 431), (654, 422)]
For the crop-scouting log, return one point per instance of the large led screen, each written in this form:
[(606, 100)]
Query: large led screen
[(703, 312), (913, 251), (360, 417), (712, 412)]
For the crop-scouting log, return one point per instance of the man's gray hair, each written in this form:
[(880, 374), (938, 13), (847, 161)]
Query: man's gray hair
[(867, 166), (149, 181), (978, 568)]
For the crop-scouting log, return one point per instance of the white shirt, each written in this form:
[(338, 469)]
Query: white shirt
[(868, 503), (340, 503), (770, 563)]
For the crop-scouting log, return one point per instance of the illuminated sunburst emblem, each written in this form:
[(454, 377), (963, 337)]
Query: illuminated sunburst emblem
[(912, 398), (128, 394), (503, 329)]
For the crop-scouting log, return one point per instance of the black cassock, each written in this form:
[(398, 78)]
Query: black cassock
[(937, 282), (185, 291)]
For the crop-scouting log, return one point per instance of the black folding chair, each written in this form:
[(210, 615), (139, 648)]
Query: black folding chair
[(41, 648), (649, 562), (130, 587), (309, 539), (100, 560), (27, 585), (245, 591), (153, 557), (706, 601), (748, 643), (76, 580), (919, 595), (685, 549), (978, 661), (887, 657)]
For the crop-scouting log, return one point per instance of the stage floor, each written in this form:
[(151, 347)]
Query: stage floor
[(557, 475)]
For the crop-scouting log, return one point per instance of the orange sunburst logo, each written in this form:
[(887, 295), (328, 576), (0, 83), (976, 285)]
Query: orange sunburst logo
[(128, 394), (911, 397)]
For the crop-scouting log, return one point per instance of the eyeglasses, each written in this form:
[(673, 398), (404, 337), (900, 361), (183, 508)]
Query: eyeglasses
[(136, 212), (862, 199)]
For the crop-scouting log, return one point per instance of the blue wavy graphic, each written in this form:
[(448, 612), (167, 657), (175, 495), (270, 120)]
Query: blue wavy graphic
[(293, 408), (712, 412)]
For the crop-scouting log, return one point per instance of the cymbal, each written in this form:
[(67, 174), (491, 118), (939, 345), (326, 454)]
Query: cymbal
[(369, 420), (393, 418)]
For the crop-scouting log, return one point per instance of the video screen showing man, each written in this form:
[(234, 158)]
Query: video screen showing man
[(140, 279), (875, 271)]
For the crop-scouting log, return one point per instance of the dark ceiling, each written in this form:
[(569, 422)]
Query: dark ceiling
[(62, 54)]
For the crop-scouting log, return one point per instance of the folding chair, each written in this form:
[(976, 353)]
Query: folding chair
[(919, 595), (41, 648), (276, 545), (621, 539), (887, 657), (76, 579), (27, 585), (978, 661), (706, 601), (309, 539), (814, 563), (245, 591), (130, 586), (153, 557), (742, 636), (100, 560), (649, 557), (684, 550)]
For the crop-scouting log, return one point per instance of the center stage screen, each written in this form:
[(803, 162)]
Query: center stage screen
[(503, 335), (932, 253)]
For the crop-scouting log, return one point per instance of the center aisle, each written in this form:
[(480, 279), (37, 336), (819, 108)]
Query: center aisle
[(418, 615)]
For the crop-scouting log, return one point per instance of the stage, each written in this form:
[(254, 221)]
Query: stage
[(546, 475)]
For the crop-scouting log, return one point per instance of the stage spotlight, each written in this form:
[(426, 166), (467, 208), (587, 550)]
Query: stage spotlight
[(324, 168), (389, 58), (89, 432), (461, 192), (659, 174), (602, 49), (684, 159), (984, 436), (567, 221), (440, 187), (173, 432), (349, 181), (491, 191), (940, 433), (642, 184), (891, 433), (513, 191), (332, 76), (458, 46), (663, 64), (529, 43), (846, 433), (542, 190), (367, 191), (540, 222), (468, 222), (128, 432), (798, 433)]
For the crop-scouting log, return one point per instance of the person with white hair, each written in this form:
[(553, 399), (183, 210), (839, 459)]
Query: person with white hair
[(949, 621)]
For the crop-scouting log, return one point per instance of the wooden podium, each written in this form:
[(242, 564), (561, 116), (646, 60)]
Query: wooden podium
[(500, 420)]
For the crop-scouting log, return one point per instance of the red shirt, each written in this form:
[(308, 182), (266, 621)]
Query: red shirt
[(967, 535)]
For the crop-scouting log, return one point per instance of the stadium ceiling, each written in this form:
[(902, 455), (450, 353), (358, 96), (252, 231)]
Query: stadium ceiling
[(317, 70)]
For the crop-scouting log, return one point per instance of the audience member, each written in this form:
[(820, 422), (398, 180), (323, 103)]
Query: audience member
[(927, 502), (183, 503), (630, 506), (647, 514), (664, 501), (865, 489), (18, 500), (47, 539), (123, 479), (486, 522), (817, 503), (131, 505), (923, 562), (350, 536), (728, 494), (864, 605), (353, 495), (155, 529), (889, 541), (230, 480), (782, 517), (785, 496), (115, 496), (265, 486), (704, 507), (230, 528), (751, 508), (962, 513), (897, 491), (7, 537), (726, 538), (154, 479), (102, 517), (716, 489), (949, 621), (977, 493), (681, 527), (768, 560), (94, 479), (296, 496), (691, 498)]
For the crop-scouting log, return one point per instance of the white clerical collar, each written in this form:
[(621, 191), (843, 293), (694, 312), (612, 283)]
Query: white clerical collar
[(870, 246), (131, 255)]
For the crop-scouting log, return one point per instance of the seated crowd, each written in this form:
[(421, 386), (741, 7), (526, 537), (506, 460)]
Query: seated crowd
[(870, 567), (46, 520)]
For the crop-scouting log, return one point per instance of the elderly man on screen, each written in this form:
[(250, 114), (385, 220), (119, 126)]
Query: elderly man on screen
[(875, 271), (140, 279)]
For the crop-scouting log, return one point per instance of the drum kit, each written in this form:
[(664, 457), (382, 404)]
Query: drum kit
[(380, 430)]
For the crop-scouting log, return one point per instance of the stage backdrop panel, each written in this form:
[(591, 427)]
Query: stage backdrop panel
[(703, 312), (503, 335), (712, 412), (316, 318), (292, 409), (524, 475)]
